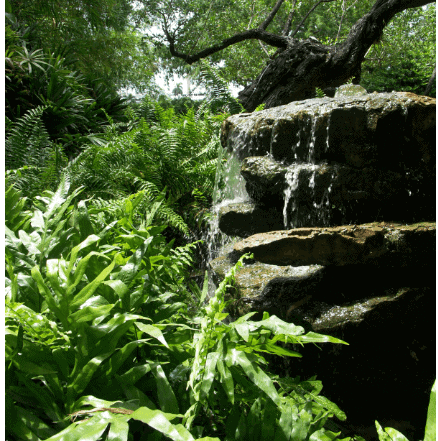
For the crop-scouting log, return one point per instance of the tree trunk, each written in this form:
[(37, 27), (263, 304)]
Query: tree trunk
[(431, 82), (304, 65)]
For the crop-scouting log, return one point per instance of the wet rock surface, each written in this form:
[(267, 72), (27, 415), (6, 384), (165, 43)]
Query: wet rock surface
[(333, 194), (244, 219), (379, 244), (351, 181), (394, 131)]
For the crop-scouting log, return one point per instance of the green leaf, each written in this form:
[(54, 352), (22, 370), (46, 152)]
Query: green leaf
[(278, 326), (301, 425), (45, 292), (36, 427), (89, 430), (243, 330), (119, 430), (395, 435), (430, 431), (274, 349), (129, 271), (160, 421), (90, 313), (285, 425), (313, 337), (84, 376), (226, 379), (382, 435), (153, 331), (75, 251), (209, 374), (255, 374), (88, 290), (92, 401), (254, 421), (166, 396), (324, 435), (269, 423)]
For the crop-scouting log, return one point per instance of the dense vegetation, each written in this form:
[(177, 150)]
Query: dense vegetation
[(108, 334)]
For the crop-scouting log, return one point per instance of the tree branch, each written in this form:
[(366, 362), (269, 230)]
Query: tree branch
[(252, 34), (270, 17), (311, 10), (288, 24), (362, 35)]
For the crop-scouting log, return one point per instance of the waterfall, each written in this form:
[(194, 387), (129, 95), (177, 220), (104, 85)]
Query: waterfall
[(229, 188)]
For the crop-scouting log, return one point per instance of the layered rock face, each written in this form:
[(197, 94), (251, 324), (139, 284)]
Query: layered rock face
[(334, 161), (340, 223)]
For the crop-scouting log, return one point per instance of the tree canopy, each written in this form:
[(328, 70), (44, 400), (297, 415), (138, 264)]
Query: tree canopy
[(125, 42), (241, 37)]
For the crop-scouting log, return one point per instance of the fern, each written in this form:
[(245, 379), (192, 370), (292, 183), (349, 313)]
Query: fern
[(29, 150), (218, 95)]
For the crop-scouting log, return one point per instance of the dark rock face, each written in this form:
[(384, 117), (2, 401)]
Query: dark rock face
[(394, 131), (332, 161), (244, 219), (349, 184)]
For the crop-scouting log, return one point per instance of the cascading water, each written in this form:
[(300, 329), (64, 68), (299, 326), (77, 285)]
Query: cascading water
[(229, 188)]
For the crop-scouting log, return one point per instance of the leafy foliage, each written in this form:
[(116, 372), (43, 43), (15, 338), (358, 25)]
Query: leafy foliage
[(99, 325), (404, 60)]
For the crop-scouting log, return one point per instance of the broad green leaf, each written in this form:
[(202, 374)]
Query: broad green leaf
[(395, 435), (226, 379), (75, 251), (90, 313), (89, 430), (82, 220), (160, 421), (118, 358), (129, 271), (285, 425), (324, 435), (382, 435), (153, 331), (313, 337), (92, 401), (274, 349), (76, 277), (119, 430), (209, 374), (33, 423), (301, 425), (118, 287), (52, 271), (243, 330), (241, 430), (269, 424), (135, 373), (278, 326), (166, 396), (88, 290), (84, 376), (42, 396), (254, 421), (48, 297), (430, 431), (255, 374)]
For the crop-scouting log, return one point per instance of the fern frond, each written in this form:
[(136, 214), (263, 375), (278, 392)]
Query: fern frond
[(218, 94)]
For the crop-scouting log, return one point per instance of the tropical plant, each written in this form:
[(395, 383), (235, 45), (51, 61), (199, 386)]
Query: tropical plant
[(99, 326), (34, 162)]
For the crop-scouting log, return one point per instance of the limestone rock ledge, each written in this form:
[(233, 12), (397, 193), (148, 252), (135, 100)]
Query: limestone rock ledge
[(375, 243)]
